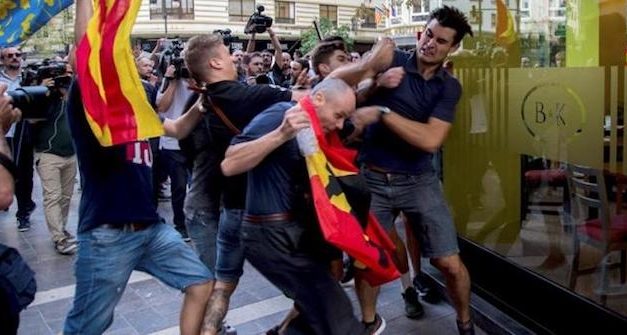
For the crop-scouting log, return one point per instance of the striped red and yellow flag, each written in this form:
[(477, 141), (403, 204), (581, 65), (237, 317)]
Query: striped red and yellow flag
[(342, 205), (115, 101)]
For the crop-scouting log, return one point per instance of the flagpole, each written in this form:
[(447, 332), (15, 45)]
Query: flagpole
[(165, 17)]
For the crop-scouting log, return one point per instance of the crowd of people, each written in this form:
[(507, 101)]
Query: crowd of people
[(239, 184)]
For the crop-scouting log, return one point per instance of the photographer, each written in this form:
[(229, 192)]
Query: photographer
[(20, 141), (55, 160), (171, 100)]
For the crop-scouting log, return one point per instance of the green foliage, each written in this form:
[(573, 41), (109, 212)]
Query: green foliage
[(309, 38)]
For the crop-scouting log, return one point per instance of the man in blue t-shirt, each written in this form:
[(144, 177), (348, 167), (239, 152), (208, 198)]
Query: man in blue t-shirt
[(396, 155), (119, 230), (281, 239)]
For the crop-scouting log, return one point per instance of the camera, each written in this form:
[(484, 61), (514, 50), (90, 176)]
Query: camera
[(227, 38), (172, 56), (34, 73), (258, 22), (33, 101)]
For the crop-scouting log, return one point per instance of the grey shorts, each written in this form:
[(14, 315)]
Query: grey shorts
[(421, 199)]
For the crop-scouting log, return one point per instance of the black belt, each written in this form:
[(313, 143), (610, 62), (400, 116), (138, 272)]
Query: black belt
[(130, 226), (267, 218)]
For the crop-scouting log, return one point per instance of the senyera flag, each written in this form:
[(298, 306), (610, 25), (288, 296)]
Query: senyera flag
[(115, 101), (342, 207), (21, 19)]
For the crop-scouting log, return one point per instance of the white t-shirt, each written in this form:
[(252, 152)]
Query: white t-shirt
[(179, 99)]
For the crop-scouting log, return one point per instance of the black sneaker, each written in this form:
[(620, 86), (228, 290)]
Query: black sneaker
[(184, 234), (375, 327), (425, 291), (227, 329), (349, 273), (23, 224), (466, 328), (413, 308)]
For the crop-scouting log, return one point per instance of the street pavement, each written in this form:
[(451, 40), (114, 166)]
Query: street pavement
[(150, 307)]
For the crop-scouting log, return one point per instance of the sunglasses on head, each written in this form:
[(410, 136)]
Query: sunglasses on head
[(11, 55)]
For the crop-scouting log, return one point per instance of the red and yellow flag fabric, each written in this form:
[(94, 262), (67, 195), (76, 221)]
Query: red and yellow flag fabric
[(343, 214), (115, 101), (505, 31)]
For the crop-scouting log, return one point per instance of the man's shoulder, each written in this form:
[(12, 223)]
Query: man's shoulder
[(272, 115)]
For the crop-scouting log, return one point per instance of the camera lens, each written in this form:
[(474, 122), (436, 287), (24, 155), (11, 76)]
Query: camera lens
[(32, 101)]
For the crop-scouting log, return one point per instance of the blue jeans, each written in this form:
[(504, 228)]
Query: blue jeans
[(106, 257), (230, 262), (202, 227), (421, 199)]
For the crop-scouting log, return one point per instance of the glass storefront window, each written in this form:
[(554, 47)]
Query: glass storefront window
[(544, 88)]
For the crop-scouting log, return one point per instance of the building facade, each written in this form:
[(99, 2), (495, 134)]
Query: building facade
[(186, 18)]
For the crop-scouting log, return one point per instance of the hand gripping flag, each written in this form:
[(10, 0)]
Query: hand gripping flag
[(343, 211), (20, 19), (115, 101)]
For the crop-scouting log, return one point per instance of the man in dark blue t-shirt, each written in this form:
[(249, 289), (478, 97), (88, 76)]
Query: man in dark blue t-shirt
[(397, 152), (119, 231), (280, 239)]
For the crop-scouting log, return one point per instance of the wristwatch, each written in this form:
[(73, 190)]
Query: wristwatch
[(384, 110)]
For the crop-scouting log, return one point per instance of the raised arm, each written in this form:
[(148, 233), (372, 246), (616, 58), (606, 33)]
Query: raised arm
[(250, 48), (378, 61), (84, 11), (278, 52)]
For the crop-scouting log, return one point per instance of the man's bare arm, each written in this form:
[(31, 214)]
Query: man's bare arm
[(378, 61), (84, 11), (242, 157), (250, 47), (184, 124), (278, 52), (426, 136)]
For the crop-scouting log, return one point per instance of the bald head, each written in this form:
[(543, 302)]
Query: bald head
[(334, 101)]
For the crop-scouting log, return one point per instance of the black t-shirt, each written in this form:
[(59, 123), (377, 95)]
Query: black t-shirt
[(240, 104), (116, 181)]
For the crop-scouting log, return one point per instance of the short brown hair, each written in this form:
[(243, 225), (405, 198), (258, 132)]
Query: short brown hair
[(199, 49), (249, 56), (323, 52)]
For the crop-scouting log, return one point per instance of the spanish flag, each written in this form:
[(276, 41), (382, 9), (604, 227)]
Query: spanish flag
[(115, 102), (341, 207), (20, 19), (505, 31), (506, 35)]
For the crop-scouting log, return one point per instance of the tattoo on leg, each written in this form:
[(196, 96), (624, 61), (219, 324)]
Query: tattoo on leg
[(216, 311)]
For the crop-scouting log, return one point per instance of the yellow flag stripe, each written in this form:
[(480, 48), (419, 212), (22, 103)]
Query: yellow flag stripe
[(147, 121)]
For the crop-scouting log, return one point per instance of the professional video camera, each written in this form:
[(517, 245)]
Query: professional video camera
[(227, 38), (35, 101), (34, 73), (258, 22), (172, 56)]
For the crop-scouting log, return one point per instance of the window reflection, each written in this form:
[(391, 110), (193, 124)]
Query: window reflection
[(509, 186)]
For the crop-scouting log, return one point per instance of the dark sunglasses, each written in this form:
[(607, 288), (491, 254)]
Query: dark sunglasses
[(11, 55)]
